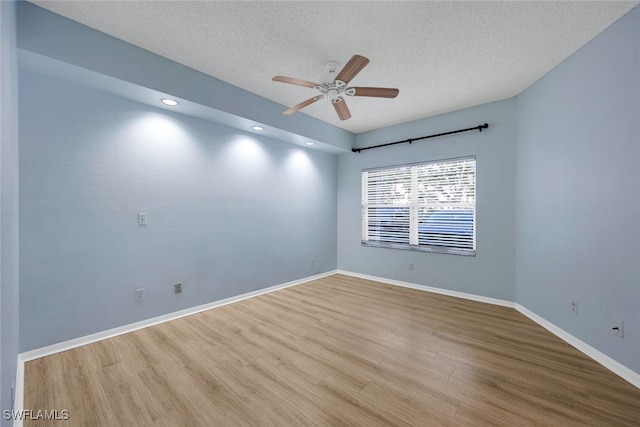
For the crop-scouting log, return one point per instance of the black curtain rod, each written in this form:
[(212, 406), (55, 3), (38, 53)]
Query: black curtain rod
[(410, 140)]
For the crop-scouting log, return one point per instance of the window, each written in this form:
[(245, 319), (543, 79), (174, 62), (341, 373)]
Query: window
[(424, 206)]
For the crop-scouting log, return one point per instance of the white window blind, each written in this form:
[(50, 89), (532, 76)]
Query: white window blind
[(424, 206)]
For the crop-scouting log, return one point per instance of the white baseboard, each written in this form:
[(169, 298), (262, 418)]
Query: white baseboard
[(78, 342), (606, 361), (18, 403), (88, 339), (457, 294)]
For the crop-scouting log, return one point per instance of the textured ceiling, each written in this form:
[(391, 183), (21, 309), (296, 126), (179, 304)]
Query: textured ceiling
[(443, 56)]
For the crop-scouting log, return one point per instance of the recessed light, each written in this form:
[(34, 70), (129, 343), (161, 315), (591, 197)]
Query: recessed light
[(257, 128), (169, 102), (309, 143)]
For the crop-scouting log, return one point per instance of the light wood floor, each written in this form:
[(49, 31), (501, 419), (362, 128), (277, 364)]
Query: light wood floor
[(338, 351)]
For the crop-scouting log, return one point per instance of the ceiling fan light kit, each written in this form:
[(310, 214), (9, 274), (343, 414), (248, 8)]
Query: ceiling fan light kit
[(335, 86)]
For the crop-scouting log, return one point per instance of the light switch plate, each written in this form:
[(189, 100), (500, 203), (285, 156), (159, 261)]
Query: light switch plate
[(142, 219)]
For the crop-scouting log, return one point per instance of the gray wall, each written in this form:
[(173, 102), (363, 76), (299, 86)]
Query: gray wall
[(491, 272), (8, 204), (557, 201), (228, 212), (578, 192)]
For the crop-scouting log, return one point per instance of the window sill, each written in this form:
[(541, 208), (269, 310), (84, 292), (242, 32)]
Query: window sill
[(433, 249)]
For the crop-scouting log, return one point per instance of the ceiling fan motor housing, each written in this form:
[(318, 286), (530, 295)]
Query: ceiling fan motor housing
[(334, 90)]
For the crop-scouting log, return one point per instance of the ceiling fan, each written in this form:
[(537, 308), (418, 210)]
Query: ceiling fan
[(334, 86)]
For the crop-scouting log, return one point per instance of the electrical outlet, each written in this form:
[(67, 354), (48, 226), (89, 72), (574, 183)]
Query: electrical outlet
[(574, 307), (617, 328), (177, 288), (313, 262), (140, 294), (411, 266)]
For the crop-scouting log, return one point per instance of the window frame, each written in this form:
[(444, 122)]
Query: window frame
[(414, 207)]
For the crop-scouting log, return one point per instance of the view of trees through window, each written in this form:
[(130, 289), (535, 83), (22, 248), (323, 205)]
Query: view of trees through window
[(427, 206)]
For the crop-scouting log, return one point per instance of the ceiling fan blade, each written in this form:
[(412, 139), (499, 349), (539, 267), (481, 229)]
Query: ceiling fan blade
[(352, 68), (302, 105), (294, 81), (376, 92), (342, 109)]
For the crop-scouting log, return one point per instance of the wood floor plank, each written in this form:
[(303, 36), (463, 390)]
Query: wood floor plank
[(337, 351), (472, 417)]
